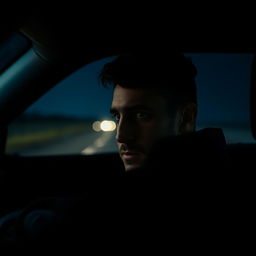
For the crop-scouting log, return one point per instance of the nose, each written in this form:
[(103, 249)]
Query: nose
[(126, 131)]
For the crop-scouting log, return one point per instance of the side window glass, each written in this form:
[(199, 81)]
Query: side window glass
[(223, 83), (72, 118)]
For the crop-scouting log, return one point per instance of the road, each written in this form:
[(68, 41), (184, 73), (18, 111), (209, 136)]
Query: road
[(82, 143)]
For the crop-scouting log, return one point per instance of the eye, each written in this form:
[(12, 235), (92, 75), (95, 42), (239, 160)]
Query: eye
[(142, 115), (116, 116)]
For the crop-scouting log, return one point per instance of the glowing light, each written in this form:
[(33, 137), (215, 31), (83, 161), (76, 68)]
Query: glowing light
[(99, 143), (107, 126), (89, 151), (96, 126)]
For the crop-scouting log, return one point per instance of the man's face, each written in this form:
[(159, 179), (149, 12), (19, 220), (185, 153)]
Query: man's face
[(142, 119)]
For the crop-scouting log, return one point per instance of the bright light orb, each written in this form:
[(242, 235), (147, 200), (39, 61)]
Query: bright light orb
[(107, 126), (96, 126)]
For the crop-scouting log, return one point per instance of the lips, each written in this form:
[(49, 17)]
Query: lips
[(130, 155)]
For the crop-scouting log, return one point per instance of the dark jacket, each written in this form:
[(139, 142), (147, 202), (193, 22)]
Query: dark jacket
[(201, 153)]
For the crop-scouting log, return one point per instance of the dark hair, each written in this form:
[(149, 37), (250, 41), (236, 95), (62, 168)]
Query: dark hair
[(172, 74)]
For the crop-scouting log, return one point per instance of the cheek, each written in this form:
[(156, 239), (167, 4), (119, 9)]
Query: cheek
[(151, 133)]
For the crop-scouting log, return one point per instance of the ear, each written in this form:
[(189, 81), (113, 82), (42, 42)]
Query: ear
[(187, 118)]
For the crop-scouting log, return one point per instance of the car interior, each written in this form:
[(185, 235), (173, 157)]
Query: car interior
[(58, 45)]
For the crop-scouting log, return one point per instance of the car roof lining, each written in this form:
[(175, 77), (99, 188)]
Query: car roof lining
[(90, 34)]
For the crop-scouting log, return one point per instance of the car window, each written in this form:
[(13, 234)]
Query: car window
[(73, 117), (224, 94)]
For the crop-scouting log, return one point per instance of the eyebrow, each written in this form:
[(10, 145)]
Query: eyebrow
[(131, 108)]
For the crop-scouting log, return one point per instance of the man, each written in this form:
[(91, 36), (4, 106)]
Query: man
[(154, 96)]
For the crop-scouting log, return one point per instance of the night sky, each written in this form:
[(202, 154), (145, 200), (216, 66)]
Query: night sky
[(82, 95), (223, 87), (223, 82)]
